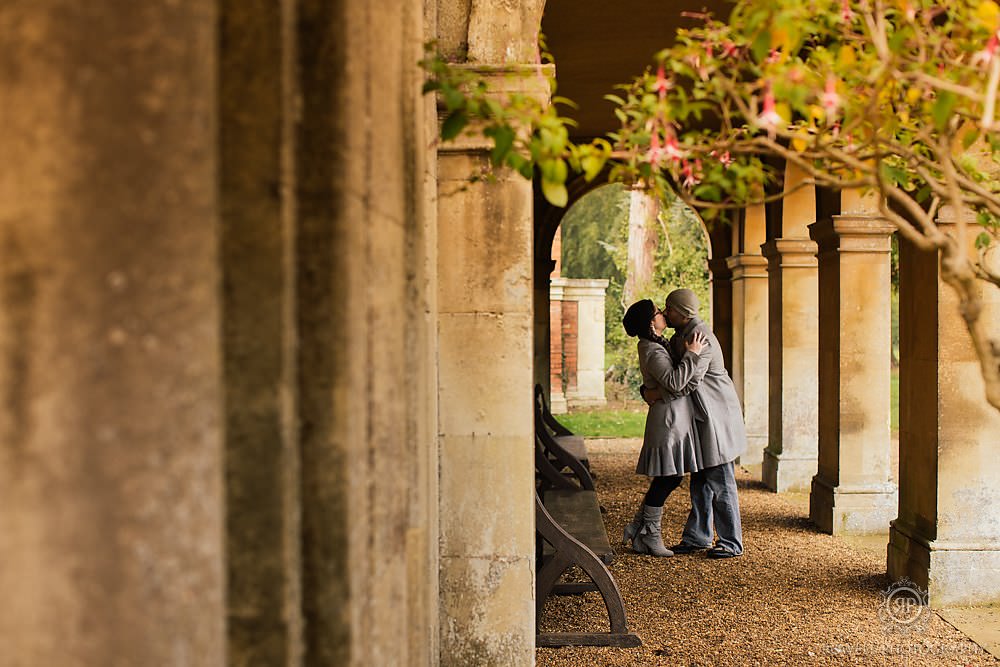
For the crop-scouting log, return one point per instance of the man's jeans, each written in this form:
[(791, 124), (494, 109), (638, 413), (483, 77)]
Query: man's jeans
[(714, 500)]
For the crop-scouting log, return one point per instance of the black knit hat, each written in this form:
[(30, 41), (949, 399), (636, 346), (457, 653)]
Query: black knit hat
[(638, 316)]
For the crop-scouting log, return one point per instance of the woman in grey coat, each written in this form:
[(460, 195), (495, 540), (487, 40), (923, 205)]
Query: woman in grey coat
[(670, 442)]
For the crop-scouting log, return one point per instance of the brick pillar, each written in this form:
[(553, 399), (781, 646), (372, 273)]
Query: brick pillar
[(852, 491), (570, 341), (947, 534), (557, 396)]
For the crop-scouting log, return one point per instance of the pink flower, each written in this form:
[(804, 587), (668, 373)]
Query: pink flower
[(691, 178), (831, 100), (773, 57), (729, 49), (985, 57), (769, 118), (726, 159), (846, 13), (672, 149), (663, 84)]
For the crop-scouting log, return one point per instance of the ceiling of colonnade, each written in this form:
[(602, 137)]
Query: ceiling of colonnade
[(600, 43)]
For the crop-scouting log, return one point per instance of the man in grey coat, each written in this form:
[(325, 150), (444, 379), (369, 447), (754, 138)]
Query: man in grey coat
[(721, 432)]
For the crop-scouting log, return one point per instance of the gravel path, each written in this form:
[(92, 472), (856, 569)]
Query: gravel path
[(796, 596)]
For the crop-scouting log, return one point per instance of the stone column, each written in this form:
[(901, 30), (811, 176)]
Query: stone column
[(790, 459), (486, 425), (750, 339), (947, 535), (588, 295), (111, 427), (853, 491)]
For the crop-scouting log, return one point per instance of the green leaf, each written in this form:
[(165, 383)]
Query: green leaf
[(708, 192), (429, 86), (592, 165), (983, 241), (503, 140), (942, 108), (453, 125), (453, 97), (555, 192), (761, 46), (969, 138)]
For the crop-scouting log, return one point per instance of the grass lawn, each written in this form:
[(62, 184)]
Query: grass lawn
[(605, 423), (618, 423)]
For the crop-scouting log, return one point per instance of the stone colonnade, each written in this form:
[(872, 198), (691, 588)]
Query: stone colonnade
[(828, 364)]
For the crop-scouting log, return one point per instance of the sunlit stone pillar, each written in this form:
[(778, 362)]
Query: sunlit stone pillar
[(852, 491), (749, 269), (791, 455), (947, 534), (112, 535), (485, 322)]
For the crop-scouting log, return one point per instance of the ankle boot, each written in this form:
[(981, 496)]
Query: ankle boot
[(649, 540), (632, 528)]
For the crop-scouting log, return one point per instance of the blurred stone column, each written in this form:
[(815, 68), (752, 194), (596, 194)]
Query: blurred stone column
[(750, 344), (852, 491), (485, 322), (791, 456), (111, 453), (947, 535)]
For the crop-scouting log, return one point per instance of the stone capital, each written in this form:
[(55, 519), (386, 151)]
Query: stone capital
[(747, 266), (852, 233), (501, 80), (790, 253), (720, 269)]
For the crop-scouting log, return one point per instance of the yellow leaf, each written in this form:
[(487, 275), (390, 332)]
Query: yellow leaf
[(988, 13), (800, 142), (913, 95), (784, 111), (817, 113), (846, 56), (904, 116)]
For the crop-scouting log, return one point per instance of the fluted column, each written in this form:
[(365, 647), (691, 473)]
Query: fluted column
[(947, 534), (852, 491)]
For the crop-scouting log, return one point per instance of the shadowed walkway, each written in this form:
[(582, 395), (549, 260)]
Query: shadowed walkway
[(796, 597)]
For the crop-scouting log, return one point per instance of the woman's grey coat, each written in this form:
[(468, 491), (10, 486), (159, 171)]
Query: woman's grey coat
[(721, 433), (670, 442)]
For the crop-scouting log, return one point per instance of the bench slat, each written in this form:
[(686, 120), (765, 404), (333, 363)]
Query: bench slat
[(579, 513)]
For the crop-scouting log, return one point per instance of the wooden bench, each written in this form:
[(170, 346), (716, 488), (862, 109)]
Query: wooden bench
[(570, 530), (555, 434)]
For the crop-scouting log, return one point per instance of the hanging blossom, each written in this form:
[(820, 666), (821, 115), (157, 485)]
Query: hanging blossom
[(663, 84), (729, 49), (725, 159), (691, 173), (663, 150), (846, 13), (985, 57), (769, 118), (830, 99)]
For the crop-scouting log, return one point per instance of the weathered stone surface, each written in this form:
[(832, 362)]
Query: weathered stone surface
[(853, 491), (947, 534), (790, 459), (111, 477)]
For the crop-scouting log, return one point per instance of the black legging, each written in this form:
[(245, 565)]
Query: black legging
[(660, 488)]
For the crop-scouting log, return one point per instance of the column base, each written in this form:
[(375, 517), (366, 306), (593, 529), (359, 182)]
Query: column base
[(954, 574), (781, 473), (852, 510), (753, 458), (557, 403)]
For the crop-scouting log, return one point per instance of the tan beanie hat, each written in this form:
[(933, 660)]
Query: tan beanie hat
[(684, 301)]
